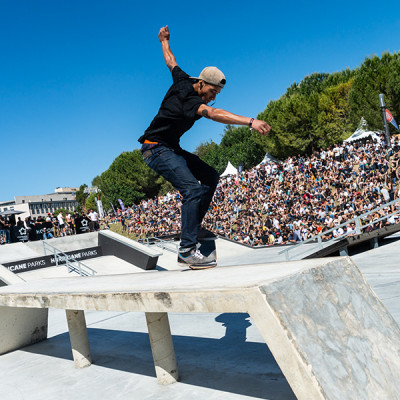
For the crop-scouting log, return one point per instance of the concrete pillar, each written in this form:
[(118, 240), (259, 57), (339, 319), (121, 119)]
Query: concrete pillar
[(79, 338), (162, 347), (344, 252), (374, 244)]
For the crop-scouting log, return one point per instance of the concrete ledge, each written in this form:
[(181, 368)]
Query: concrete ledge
[(329, 333), (128, 250)]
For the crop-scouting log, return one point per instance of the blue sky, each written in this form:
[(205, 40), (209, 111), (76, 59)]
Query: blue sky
[(81, 80)]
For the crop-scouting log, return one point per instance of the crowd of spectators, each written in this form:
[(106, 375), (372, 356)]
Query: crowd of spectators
[(274, 203), (47, 227), (290, 201)]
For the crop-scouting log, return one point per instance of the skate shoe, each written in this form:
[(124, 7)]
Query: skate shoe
[(195, 260)]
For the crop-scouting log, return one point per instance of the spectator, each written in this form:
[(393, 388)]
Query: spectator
[(94, 221), (46, 234), (61, 225)]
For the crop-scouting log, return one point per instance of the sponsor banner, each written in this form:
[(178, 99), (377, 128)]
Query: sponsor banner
[(49, 261), (121, 204), (115, 213), (390, 118), (100, 208), (82, 224), (19, 234)]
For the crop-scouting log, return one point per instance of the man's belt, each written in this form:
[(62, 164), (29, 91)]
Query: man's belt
[(147, 146)]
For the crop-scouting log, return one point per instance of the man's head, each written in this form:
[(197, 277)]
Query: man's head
[(209, 84), (212, 76)]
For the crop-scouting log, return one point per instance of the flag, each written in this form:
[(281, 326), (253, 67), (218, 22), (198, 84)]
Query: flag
[(121, 204), (115, 213), (390, 118)]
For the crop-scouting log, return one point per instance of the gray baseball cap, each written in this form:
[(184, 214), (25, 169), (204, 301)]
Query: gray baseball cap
[(213, 76)]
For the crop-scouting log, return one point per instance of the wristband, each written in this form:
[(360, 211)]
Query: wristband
[(251, 122)]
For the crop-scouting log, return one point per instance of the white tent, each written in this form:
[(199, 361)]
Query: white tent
[(230, 170), (362, 132), (268, 158)]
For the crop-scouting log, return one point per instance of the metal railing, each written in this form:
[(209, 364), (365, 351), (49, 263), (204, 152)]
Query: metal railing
[(163, 244), (358, 221), (72, 265)]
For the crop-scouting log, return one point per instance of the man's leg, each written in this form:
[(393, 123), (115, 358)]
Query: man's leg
[(174, 168), (207, 176)]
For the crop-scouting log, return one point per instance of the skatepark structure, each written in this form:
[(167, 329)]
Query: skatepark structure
[(329, 333)]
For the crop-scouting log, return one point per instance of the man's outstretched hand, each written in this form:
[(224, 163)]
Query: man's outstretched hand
[(261, 126), (163, 34)]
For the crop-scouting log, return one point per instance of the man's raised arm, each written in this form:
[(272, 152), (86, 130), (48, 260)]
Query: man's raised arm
[(226, 117), (163, 36)]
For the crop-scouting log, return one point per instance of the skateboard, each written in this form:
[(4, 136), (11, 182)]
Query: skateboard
[(208, 249)]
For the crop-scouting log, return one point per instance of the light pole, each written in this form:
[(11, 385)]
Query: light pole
[(383, 108)]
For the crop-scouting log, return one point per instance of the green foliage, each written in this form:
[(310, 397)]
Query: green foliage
[(237, 146), (291, 119), (81, 196), (376, 75), (63, 211), (128, 178), (308, 118), (96, 181), (333, 123), (164, 186), (90, 203), (318, 82)]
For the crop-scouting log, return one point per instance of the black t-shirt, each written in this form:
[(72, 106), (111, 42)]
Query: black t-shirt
[(177, 113)]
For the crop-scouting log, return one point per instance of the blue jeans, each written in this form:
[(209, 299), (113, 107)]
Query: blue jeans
[(6, 234), (196, 182)]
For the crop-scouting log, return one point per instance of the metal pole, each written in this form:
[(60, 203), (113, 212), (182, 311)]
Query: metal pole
[(383, 108), (358, 225)]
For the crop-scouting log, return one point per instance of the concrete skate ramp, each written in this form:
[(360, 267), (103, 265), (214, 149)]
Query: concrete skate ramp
[(329, 333), (21, 251)]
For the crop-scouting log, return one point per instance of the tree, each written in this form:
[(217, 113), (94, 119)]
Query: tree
[(81, 196), (291, 119), (237, 145), (333, 122), (303, 123), (128, 178), (91, 202), (63, 211), (376, 75), (319, 82), (211, 153), (96, 181)]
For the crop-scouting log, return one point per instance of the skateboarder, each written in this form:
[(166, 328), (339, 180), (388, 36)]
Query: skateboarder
[(186, 102)]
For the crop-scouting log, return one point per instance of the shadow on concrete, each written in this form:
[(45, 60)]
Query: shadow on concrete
[(236, 325), (228, 364)]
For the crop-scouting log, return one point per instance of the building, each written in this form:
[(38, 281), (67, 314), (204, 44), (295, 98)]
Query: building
[(72, 190), (40, 205), (7, 205)]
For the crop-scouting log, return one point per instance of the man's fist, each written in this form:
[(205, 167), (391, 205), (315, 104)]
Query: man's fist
[(261, 126), (163, 34)]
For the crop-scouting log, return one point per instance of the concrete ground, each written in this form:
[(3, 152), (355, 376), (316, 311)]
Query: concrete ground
[(220, 356)]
